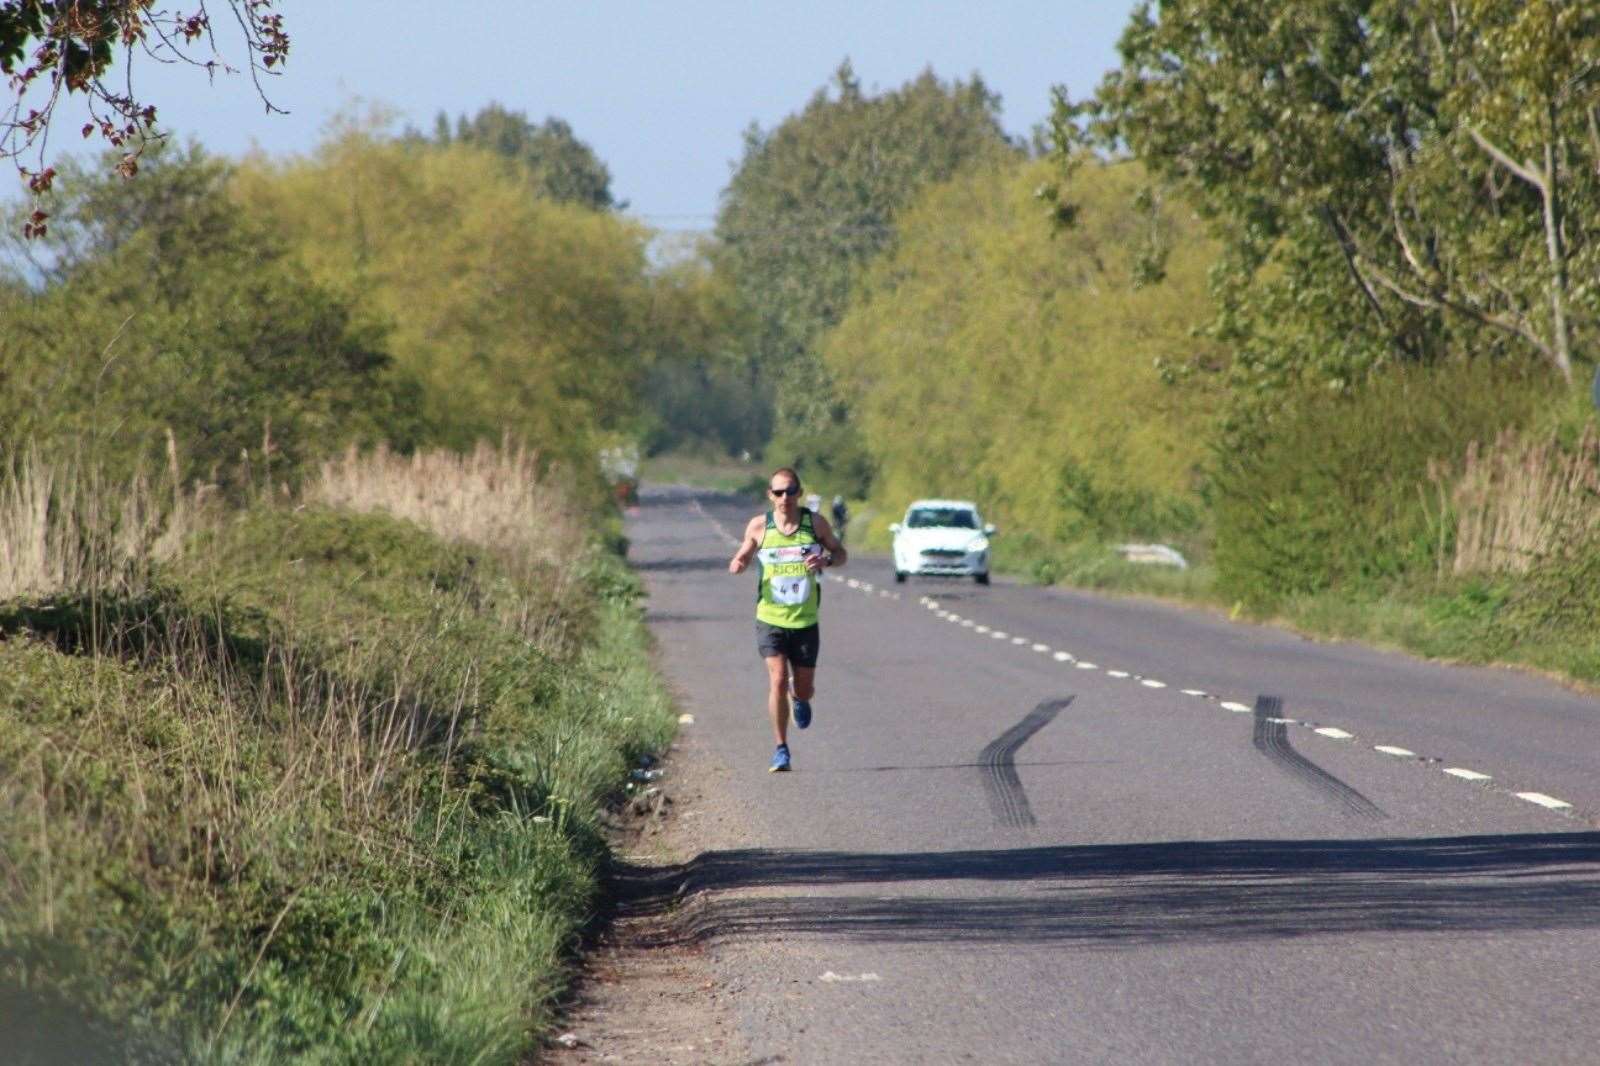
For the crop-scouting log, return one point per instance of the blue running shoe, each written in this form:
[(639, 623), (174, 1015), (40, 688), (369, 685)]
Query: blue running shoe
[(780, 760), (802, 713)]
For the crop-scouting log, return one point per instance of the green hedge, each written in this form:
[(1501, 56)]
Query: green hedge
[(1333, 490)]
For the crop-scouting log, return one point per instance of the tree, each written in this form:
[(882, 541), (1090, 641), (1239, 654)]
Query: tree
[(812, 201), (1528, 97), (989, 358), (518, 314), (1392, 180), (52, 49), (172, 310), (560, 166), (698, 396)]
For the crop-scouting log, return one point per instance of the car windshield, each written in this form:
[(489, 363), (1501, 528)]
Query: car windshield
[(942, 518)]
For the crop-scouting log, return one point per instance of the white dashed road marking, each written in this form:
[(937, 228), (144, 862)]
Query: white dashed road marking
[(1332, 732), (1544, 801)]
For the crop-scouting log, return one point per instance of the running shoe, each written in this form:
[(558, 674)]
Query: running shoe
[(802, 713), (780, 759)]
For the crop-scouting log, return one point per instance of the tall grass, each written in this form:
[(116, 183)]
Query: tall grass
[(321, 786), (498, 499), (1520, 501), (62, 528)]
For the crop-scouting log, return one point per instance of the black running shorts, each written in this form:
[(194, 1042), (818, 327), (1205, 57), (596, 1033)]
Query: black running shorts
[(799, 646)]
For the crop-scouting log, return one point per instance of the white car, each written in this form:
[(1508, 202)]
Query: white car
[(942, 537)]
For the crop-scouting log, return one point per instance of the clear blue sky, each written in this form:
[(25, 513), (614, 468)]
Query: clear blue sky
[(662, 91)]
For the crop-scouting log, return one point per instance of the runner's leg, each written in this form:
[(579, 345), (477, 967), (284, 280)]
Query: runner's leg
[(804, 682), (778, 696)]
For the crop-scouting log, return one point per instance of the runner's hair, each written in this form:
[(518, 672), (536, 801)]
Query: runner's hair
[(787, 470)]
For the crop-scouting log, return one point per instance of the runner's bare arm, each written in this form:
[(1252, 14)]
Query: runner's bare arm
[(834, 545), (752, 542)]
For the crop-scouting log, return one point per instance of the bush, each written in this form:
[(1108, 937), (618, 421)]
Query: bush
[(1333, 491)]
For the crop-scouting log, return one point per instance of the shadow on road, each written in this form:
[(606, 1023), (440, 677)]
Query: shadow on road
[(1143, 893), (679, 617), (670, 566)]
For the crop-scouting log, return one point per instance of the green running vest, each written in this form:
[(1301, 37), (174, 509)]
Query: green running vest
[(787, 594)]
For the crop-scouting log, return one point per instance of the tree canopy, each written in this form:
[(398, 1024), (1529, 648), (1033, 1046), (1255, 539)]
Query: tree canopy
[(1392, 180), (168, 310), (988, 358), (559, 165), (518, 314), (813, 200)]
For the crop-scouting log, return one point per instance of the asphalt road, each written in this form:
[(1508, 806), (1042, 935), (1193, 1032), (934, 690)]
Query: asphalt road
[(1036, 826)]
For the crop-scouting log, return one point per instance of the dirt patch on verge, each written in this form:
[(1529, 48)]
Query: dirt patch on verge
[(647, 991)]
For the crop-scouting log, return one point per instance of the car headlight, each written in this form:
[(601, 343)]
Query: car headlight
[(978, 544)]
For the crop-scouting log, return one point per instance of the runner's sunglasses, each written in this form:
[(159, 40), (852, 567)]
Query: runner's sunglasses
[(792, 490)]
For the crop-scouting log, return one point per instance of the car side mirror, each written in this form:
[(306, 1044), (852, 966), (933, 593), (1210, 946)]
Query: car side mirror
[(989, 530), (894, 527)]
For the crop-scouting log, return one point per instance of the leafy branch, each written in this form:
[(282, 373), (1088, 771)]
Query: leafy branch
[(51, 50)]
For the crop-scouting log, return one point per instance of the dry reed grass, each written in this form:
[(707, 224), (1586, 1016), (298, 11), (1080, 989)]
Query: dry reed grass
[(62, 529), (1518, 501), (495, 498)]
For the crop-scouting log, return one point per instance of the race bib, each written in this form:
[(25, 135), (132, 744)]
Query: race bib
[(791, 591), (789, 579)]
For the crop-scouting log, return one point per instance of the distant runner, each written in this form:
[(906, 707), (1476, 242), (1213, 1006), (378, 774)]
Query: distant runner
[(792, 545), (841, 516)]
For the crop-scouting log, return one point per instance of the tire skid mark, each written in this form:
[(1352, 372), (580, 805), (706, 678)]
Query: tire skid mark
[(1007, 799), (1271, 738)]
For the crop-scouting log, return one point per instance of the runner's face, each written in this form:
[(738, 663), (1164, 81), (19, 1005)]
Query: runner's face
[(785, 494)]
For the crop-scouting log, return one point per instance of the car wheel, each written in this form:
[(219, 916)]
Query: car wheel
[(982, 579), (899, 577)]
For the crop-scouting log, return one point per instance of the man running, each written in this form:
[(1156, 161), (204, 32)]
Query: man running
[(792, 545)]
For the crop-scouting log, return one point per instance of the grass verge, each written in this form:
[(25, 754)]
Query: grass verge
[(325, 789), (1457, 619)]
